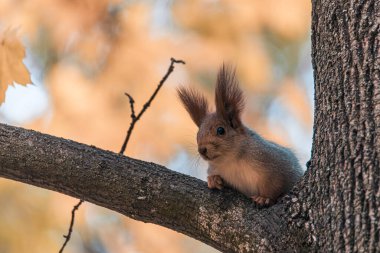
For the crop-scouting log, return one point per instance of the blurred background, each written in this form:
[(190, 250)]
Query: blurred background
[(84, 54)]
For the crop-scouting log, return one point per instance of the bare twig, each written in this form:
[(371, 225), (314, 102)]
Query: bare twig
[(131, 102), (68, 236), (134, 120), (147, 104)]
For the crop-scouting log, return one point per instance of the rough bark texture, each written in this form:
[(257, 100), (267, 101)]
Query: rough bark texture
[(341, 191), (141, 190), (335, 208)]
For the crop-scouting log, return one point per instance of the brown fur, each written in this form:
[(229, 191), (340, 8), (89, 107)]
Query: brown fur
[(195, 104), (229, 98), (239, 158)]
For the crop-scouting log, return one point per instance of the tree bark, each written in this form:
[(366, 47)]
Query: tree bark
[(341, 190), (335, 207)]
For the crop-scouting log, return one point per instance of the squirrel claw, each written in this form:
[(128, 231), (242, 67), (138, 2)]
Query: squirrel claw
[(215, 181), (261, 201)]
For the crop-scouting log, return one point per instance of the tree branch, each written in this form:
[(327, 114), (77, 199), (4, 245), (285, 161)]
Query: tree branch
[(143, 191)]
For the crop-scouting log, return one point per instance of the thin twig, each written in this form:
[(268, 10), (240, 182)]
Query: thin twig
[(134, 120), (68, 236), (147, 104), (131, 102)]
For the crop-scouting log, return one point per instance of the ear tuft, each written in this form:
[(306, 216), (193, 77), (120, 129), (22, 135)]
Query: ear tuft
[(195, 104), (229, 99)]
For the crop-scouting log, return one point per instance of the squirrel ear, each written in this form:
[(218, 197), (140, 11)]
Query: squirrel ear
[(229, 98), (195, 104)]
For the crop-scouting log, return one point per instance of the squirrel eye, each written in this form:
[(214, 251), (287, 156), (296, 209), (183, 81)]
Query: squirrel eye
[(220, 131)]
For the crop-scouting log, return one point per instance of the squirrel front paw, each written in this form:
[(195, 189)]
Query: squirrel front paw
[(215, 181), (262, 201)]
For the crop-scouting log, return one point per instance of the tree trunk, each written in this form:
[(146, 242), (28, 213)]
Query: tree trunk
[(335, 207), (340, 193)]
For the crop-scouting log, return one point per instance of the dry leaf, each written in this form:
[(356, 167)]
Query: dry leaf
[(12, 69)]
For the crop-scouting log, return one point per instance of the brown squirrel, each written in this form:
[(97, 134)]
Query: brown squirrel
[(238, 157)]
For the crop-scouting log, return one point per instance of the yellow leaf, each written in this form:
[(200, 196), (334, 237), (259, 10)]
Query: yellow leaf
[(12, 69)]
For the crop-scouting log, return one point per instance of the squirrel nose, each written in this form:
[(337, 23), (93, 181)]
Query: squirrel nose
[(202, 150)]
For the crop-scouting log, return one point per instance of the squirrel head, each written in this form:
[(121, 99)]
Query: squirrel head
[(221, 132)]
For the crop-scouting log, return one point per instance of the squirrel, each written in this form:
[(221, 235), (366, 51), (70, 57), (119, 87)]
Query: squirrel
[(237, 156)]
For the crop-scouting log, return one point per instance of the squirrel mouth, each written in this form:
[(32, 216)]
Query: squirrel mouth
[(208, 158)]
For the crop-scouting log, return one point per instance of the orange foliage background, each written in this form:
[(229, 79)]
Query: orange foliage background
[(84, 54)]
